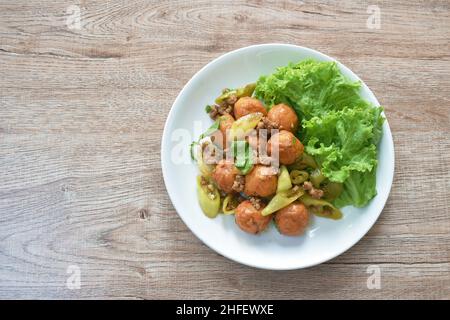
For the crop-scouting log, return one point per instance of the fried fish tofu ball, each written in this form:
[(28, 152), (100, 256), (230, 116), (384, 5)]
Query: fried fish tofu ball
[(284, 116), (293, 219), (261, 181), (249, 219), (247, 105), (289, 147), (220, 136), (224, 175)]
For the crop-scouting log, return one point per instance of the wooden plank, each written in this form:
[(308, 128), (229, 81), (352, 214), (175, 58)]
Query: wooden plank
[(82, 113)]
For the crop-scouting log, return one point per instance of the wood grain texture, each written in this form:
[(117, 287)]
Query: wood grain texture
[(81, 119)]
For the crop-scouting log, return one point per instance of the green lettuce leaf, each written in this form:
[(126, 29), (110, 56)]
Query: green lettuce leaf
[(359, 188), (342, 142)]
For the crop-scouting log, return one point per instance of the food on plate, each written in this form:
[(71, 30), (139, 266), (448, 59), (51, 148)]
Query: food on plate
[(293, 219), (250, 219), (248, 105), (244, 126), (282, 199), (224, 175), (219, 137), (284, 117), (298, 142), (208, 197), (289, 148), (284, 180), (261, 181)]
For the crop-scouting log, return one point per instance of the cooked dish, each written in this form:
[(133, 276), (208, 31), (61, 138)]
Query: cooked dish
[(297, 142)]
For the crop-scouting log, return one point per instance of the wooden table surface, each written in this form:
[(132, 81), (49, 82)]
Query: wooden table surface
[(82, 108)]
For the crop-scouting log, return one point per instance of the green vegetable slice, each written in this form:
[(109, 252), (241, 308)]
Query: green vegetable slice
[(282, 199), (210, 130), (305, 161), (317, 178), (321, 207), (284, 180), (242, 153), (245, 91), (243, 126), (208, 197), (204, 168), (299, 176), (332, 190), (229, 204), (207, 133), (191, 149)]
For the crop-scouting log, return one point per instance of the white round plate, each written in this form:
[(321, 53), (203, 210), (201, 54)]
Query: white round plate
[(325, 238)]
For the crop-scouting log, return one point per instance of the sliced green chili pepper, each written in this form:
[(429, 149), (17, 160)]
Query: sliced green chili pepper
[(321, 208), (208, 108), (243, 126), (332, 190), (284, 181), (317, 178), (305, 161), (208, 197), (229, 204), (299, 176), (245, 91), (205, 169), (191, 149), (214, 127), (242, 152), (282, 199)]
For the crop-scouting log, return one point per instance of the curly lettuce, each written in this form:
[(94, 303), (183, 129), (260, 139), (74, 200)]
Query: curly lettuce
[(339, 128), (344, 144)]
